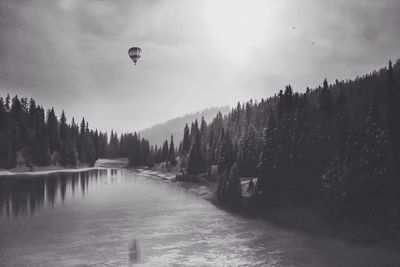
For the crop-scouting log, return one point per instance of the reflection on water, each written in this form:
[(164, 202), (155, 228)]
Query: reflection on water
[(134, 252), (22, 195), (116, 217)]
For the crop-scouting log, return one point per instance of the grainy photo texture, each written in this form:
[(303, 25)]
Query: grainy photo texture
[(199, 133)]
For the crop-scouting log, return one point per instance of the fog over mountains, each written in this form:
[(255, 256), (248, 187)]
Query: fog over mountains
[(158, 133)]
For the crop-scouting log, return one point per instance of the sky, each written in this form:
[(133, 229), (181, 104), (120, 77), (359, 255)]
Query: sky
[(73, 55)]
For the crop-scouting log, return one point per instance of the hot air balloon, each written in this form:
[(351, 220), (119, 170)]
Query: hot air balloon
[(134, 53)]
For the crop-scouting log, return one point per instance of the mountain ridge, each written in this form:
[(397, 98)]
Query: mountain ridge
[(160, 132)]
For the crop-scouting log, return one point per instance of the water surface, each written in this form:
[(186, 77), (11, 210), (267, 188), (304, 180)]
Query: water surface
[(116, 217)]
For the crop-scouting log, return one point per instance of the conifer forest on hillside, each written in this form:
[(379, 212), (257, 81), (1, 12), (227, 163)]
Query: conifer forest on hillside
[(334, 148)]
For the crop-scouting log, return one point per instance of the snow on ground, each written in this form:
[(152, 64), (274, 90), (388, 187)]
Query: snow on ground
[(24, 170), (112, 163), (163, 175), (100, 164), (17, 171)]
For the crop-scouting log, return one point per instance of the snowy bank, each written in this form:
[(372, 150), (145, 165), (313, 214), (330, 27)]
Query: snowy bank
[(100, 164), (45, 170)]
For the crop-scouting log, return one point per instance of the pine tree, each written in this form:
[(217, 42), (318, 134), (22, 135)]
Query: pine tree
[(7, 104), (63, 127), (186, 141), (229, 191), (171, 152), (194, 131), (16, 120), (325, 101), (288, 98), (42, 157), (248, 154), (393, 119), (165, 151), (83, 142), (2, 115), (64, 148), (3, 135), (52, 128), (90, 150), (226, 154), (196, 160), (30, 150), (268, 167), (203, 127), (97, 145)]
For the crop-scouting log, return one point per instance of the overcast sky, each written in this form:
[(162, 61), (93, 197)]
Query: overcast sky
[(73, 54)]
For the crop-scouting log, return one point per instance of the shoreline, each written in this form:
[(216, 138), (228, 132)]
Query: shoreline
[(100, 164), (203, 189), (299, 219), (44, 171)]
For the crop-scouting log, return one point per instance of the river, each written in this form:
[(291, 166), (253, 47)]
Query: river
[(116, 217)]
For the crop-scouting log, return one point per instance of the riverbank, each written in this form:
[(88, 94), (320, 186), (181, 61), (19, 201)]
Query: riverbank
[(299, 219), (203, 188), (302, 219), (39, 170), (23, 170)]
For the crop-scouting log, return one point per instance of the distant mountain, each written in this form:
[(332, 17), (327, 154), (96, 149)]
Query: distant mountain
[(158, 133)]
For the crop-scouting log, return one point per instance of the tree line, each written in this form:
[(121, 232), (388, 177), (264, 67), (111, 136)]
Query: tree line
[(139, 151), (335, 148), (31, 136)]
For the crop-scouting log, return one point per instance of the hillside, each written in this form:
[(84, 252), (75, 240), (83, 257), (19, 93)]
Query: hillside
[(158, 133), (334, 149)]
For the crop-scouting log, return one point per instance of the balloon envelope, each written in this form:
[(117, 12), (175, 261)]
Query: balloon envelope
[(134, 53)]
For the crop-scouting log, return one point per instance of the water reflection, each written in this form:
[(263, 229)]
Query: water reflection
[(115, 217), (134, 252), (113, 172), (25, 194)]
